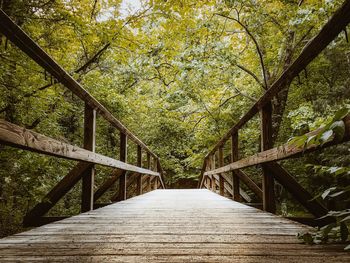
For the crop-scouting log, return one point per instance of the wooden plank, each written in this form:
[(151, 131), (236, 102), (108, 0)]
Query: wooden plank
[(17, 136), (316, 45), (234, 157), (268, 184), (123, 157), (297, 191), (17, 36), (281, 152), (169, 225), (60, 189), (87, 189)]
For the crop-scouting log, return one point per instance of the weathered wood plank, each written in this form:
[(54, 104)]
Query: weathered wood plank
[(279, 153), (17, 136), (169, 225)]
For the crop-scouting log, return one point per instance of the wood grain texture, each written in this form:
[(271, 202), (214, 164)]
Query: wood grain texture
[(281, 152), (172, 226), (17, 136)]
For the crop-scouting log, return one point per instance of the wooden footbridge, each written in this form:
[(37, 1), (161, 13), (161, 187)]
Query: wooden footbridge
[(140, 225), (169, 226)]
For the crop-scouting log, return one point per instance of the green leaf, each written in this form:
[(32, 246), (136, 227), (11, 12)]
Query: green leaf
[(345, 219), (326, 136), (338, 128), (327, 192), (340, 114)]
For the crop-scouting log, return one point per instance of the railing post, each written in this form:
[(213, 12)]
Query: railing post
[(155, 168), (266, 143), (221, 178), (234, 157), (148, 165), (87, 190), (123, 158), (212, 166), (139, 164)]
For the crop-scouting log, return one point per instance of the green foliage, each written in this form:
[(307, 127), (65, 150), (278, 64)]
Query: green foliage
[(332, 130)]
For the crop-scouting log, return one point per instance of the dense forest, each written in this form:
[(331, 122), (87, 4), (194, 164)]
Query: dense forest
[(178, 74)]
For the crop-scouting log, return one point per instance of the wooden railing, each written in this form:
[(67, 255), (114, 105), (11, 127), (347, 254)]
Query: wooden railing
[(148, 177), (214, 174)]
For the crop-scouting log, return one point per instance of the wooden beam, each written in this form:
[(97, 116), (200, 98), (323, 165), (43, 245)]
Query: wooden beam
[(201, 176), (56, 193), (87, 189), (335, 25), (297, 191), (123, 157), (130, 179), (139, 164), (17, 36), (242, 194), (19, 137), (268, 184), (221, 163), (250, 183), (281, 152), (116, 173), (228, 187), (234, 157), (161, 172)]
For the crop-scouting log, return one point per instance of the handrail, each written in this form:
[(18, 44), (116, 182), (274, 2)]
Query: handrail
[(268, 156), (14, 135)]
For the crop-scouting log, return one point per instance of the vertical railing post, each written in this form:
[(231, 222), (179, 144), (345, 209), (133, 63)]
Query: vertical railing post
[(123, 157), (266, 143), (221, 178), (87, 190), (234, 157), (155, 168), (139, 164), (148, 166)]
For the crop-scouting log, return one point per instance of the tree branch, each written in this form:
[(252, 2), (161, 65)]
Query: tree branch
[(256, 45)]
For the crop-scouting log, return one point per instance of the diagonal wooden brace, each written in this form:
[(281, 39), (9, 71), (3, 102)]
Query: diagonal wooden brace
[(60, 189)]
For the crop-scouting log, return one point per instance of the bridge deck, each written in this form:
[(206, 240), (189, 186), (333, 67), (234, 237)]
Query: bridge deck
[(169, 226)]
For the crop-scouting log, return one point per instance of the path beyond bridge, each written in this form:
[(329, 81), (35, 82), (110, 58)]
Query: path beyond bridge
[(169, 226)]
